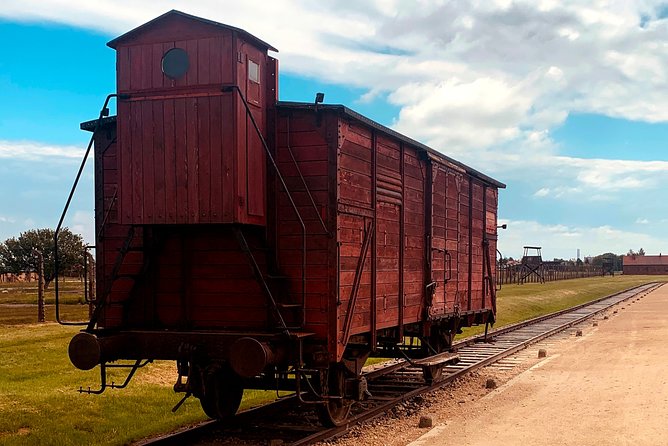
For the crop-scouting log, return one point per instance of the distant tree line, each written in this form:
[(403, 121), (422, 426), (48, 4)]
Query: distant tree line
[(17, 254)]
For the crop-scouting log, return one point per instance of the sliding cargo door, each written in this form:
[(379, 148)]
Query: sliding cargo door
[(389, 227), (443, 251)]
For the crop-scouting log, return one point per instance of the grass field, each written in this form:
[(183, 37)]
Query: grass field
[(70, 291), (39, 404), (517, 303)]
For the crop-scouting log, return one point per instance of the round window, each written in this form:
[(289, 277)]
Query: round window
[(175, 63)]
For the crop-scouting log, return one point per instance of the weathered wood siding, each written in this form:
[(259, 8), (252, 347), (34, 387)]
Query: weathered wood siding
[(188, 152)]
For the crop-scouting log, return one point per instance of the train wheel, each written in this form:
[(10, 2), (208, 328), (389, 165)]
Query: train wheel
[(334, 412), (223, 390), (208, 407)]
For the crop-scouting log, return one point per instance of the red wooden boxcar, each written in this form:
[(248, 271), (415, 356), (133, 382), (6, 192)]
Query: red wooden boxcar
[(266, 244)]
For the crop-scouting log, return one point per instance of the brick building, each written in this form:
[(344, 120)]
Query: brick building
[(645, 265)]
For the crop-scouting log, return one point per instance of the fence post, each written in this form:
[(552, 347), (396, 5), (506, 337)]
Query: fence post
[(40, 286), (91, 283)]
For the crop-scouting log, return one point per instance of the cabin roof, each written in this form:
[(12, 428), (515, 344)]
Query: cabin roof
[(134, 33)]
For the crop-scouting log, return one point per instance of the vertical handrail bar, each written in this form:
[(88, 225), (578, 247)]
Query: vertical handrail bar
[(227, 89), (306, 188), (103, 113)]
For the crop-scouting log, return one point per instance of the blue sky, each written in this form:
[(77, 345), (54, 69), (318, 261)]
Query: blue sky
[(571, 115)]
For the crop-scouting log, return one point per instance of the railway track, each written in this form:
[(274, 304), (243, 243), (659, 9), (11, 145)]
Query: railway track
[(389, 385)]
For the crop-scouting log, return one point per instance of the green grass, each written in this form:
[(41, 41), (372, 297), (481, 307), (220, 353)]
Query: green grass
[(38, 399), (12, 314), (39, 403), (517, 303), (70, 291)]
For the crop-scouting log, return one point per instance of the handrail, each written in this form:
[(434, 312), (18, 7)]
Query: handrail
[(256, 270), (103, 113), (347, 324), (106, 214), (227, 89), (498, 283), (101, 301), (306, 188)]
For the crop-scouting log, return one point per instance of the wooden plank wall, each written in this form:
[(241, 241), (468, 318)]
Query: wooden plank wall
[(389, 187), (113, 236), (173, 168), (492, 198), (447, 182), (188, 153), (299, 134), (197, 276), (398, 183), (176, 167), (462, 257), (202, 279), (355, 218), (211, 62), (454, 181), (477, 223), (414, 248)]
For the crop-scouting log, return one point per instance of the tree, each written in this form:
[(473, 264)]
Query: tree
[(609, 257), (17, 254)]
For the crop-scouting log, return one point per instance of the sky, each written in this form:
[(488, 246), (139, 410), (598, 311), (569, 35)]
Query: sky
[(564, 101)]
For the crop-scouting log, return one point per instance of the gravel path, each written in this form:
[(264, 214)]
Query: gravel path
[(606, 387), (609, 387)]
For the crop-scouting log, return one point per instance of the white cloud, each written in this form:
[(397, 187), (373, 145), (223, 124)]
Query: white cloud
[(570, 177), (467, 75), (485, 82), (34, 151), (83, 223), (7, 219), (642, 221)]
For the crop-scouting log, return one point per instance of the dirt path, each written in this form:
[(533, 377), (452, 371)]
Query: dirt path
[(609, 387)]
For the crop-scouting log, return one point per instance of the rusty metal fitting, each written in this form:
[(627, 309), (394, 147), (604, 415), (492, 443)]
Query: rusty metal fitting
[(85, 351), (249, 357)]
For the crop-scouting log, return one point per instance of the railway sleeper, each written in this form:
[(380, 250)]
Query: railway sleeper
[(432, 367)]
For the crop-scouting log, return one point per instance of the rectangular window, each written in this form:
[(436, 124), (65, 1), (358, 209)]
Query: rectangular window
[(253, 71)]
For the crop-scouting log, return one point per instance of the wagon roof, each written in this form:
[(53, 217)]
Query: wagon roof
[(345, 111), (140, 29)]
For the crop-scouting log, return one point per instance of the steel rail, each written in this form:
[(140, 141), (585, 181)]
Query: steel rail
[(475, 352), (385, 406)]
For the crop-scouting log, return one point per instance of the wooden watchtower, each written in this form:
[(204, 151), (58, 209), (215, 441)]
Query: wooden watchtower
[(532, 264)]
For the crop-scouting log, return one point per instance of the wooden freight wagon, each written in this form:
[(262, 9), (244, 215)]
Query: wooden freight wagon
[(401, 238), (266, 244)]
